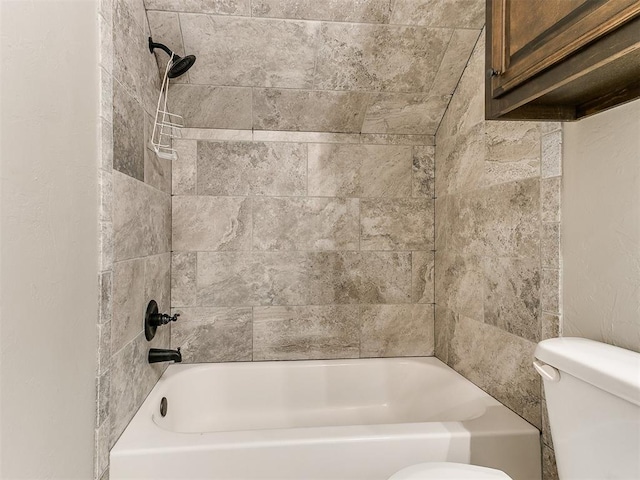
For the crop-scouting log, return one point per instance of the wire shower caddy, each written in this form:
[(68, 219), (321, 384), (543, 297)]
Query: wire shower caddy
[(166, 125)]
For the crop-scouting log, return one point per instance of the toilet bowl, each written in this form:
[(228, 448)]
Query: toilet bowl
[(448, 471)]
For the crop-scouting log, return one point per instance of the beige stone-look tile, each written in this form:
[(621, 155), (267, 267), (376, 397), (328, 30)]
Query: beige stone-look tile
[(459, 284), (128, 133), (306, 332), (550, 193), (104, 348), (424, 172), (360, 170), (396, 330), (405, 113), (549, 467), (360, 11), (550, 290), (550, 245), (512, 151), (455, 60), (217, 134), (378, 57), (466, 220), (552, 154), (302, 278), (183, 168), (444, 325), (512, 295), (396, 224), (202, 223), (128, 302), (105, 192), (106, 145), (393, 139), (106, 95), (101, 444), (439, 13), (422, 274), (208, 106), (165, 28), (105, 7), (106, 245), (550, 326), (132, 378), (216, 7), (548, 127), (512, 219), (258, 168), (442, 226), (157, 281), (546, 426), (128, 45), (304, 137), (250, 52), (105, 285), (141, 220), (500, 363), (183, 279), (460, 162), (157, 171), (103, 386), (305, 223), (308, 110), (213, 334)]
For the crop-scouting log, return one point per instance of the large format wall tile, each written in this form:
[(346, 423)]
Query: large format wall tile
[(245, 168), (305, 224), (396, 330), (512, 295), (459, 284), (128, 302), (183, 279), (498, 362), (300, 278), (423, 277), (250, 52), (454, 61), (217, 7), (128, 133), (424, 172), (405, 113), (141, 220), (203, 223), (213, 334), (306, 332), (439, 13), (396, 224), (307, 110), (362, 11), (360, 170), (379, 57), (165, 28), (206, 106)]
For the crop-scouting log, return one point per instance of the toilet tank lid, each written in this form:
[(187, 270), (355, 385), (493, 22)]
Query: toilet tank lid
[(609, 368)]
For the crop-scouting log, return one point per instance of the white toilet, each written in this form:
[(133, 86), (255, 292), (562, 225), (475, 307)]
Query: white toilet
[(593, 398)]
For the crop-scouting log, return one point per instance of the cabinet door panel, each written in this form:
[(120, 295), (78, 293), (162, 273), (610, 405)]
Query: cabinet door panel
[(531, 36)]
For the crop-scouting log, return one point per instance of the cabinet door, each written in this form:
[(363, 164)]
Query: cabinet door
[(529, 36)]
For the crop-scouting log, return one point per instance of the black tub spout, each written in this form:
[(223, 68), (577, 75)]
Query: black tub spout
[(162, 355)]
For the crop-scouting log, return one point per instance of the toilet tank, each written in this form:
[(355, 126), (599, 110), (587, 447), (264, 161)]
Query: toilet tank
[(593, 397)]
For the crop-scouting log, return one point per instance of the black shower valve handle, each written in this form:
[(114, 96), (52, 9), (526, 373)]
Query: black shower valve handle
[(159, 319)]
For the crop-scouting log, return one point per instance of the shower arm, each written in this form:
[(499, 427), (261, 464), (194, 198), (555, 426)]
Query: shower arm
[(153, 46)]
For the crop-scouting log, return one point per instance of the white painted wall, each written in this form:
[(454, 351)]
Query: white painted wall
[(48, 246), (601, 227)]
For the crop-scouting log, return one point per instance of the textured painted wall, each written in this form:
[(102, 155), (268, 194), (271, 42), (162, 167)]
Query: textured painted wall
[(302, 245), (135, 222), (371, 66), (48, 254), (497, 247), (601, 227)]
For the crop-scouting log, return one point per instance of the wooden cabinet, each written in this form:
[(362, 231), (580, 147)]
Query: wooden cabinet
[(561, 59)]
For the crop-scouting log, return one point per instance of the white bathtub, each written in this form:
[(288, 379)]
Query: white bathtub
[(319, 420)]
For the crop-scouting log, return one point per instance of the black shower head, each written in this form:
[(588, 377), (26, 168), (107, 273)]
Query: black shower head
[(179, 65)]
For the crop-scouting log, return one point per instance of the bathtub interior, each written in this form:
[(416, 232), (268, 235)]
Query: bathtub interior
[(275, 395)]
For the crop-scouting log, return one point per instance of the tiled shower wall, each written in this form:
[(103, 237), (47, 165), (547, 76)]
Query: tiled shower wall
[(135, 222), (294, 245), (497, 247)]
